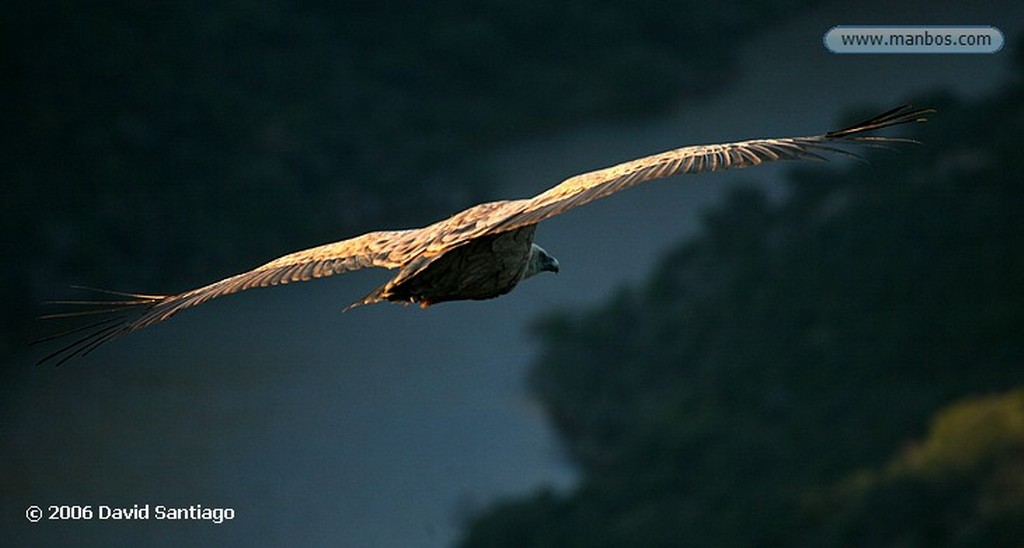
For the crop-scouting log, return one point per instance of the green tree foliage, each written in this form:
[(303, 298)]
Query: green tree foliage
[(158, 145), (768, 363), (963, 484)]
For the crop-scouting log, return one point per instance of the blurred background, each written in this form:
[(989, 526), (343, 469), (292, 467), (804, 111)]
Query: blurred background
[(823, 354)]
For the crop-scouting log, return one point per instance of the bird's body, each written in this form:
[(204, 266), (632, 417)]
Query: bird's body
[(479, 253), (484, 268)]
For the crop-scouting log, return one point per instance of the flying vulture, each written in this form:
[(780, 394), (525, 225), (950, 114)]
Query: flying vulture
[(479, 253)]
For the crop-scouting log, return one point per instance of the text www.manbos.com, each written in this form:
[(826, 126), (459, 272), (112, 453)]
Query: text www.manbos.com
[(922, 39)]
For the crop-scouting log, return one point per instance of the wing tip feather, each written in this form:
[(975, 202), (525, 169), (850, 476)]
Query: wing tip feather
[(97, 332), (903, 114)]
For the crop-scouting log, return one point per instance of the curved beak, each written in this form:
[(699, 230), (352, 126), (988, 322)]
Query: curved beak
[(551, 265)]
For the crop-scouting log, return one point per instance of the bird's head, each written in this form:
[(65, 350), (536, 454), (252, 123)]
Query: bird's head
[(539, 262)]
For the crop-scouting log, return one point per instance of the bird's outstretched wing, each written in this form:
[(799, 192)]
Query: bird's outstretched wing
[(587, 187), (414, 250), (127, 312), (410, 250)]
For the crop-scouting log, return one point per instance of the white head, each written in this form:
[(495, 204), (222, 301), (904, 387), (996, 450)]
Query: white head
[(539, 261)]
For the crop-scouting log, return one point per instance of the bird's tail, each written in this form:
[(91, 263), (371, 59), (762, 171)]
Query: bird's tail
[(374, 297)]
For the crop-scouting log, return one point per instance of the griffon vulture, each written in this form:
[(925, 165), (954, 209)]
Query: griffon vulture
[(480, 253)]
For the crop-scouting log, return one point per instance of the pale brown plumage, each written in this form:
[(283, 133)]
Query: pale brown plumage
[(479, 253)]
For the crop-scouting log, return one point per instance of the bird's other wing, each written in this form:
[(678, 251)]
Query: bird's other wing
[(132, 311), (587, 187)]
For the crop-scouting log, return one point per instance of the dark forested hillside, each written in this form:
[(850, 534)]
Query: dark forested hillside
[(839, 369), (158, 145)]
